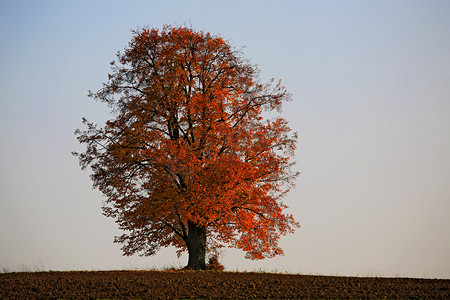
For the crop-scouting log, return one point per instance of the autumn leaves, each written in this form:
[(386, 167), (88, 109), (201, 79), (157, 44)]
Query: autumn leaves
[(188, 147)]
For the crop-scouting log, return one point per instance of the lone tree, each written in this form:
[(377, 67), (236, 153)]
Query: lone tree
[(188, 159)]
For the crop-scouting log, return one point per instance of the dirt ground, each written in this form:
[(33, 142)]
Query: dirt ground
[(214, 285)]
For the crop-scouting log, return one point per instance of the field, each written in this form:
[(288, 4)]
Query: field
[(211, 284)]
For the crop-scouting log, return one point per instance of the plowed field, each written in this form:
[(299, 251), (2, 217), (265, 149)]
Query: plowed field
[(215, 285)]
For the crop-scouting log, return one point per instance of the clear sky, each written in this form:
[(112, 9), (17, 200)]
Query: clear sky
[(371, 103)]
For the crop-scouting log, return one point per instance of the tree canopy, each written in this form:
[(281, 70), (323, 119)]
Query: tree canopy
[(188, 160)]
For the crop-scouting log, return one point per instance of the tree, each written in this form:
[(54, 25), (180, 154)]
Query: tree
[(188, 159)]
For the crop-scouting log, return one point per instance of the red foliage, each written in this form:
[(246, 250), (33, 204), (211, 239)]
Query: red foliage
[(188, 143)]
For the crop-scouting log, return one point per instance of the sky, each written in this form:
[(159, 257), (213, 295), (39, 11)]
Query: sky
[(371, 104)]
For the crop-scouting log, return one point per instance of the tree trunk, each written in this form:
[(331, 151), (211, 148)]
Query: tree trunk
[(196, 244)]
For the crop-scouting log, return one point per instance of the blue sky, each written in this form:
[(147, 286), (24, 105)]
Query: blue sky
[(371, 104)]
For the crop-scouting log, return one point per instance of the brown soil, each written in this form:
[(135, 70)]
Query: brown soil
[(209, 284)]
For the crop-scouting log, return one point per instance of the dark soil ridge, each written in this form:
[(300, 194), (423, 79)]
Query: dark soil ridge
[(212, 285)]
